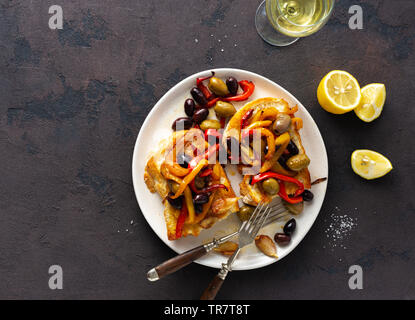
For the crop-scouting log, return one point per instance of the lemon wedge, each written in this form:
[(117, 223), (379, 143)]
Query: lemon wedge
[(373, 99), (339, 92), (370, 164)]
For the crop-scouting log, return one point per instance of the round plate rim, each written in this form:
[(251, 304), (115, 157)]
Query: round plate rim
[(136, 179)]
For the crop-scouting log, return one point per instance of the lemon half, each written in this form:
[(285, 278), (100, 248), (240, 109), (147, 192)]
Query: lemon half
[(373, 99), (370, 164), (339, 92)]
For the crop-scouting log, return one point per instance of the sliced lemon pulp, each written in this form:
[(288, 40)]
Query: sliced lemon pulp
[(370, 164), (339, 92), (373, 99)]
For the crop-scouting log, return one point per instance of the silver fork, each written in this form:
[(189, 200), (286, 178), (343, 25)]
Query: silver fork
[(247, 234), (278, 211)]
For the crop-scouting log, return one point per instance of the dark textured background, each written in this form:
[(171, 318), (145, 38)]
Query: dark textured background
[(72, 102)]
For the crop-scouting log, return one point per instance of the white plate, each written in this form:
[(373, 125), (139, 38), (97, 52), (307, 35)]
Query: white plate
[(157, 126)]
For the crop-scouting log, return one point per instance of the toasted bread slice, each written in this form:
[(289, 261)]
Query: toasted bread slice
[(223, 202), (254, 194)]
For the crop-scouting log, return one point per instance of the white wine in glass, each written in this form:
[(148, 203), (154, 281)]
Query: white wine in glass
[(282, 22)]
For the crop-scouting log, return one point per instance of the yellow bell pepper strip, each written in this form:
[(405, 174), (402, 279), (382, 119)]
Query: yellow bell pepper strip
[(216, 174), (166, 173), (181, 220), (177, 170), (259, 124), (269, 174), (257, 115), (292, 110), (268, 113), (297, 123), (282, 141), (190, 207), (209, 152), (264, 133), (270, 142), (202, 163)]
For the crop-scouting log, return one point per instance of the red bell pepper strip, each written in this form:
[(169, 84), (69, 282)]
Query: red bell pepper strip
[(205, 173), (181, 220), (212, 102), (245, 118), (207, 189), (269, 174), (214, 187), (209, 152), (212, 132), (247, 86), (283, 194), (199, 83)]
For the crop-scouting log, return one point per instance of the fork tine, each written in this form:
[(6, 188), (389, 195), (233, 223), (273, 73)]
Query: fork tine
[(245, 226), (260, 223), (277, 209), (252, 220), (277, 217), (258, 214)]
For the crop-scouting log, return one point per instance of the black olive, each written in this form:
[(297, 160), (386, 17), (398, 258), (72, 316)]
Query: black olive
[(201, 198), (175, 203), (282, 238), (232, 85), (283, 161), (292, 148), (289, 227), (198, 208), (307, 195), (198, 96), (200, 115), (182, 123), (183, 160), (189, 107), (266, 149)]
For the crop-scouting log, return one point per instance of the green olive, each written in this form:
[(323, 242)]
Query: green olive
[(298, 162), (294, 208), (210, 124), (245, 212), (271, 186), (224, 109), (174, 186), (199, 182), (282, 123), (218, 87)]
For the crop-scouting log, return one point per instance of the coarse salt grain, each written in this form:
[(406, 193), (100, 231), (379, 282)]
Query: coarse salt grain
[(339, 229)]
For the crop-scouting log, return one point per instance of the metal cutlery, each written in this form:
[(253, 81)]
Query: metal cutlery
[(247, 234), (277, 211)]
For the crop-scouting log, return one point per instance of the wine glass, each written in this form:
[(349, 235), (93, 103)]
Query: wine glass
[(282, 22)]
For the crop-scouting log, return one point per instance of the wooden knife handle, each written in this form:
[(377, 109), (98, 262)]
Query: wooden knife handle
[(213, 288), (176, 263)]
